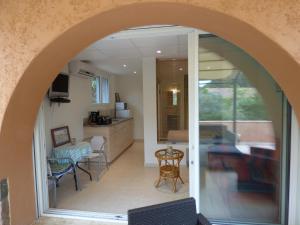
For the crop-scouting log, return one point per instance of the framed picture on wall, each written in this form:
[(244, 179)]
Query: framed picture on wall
[(60, 136)]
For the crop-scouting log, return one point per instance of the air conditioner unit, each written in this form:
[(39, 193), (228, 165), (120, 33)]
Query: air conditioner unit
[(82, 69)]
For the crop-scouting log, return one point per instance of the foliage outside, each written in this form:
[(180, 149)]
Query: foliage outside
[(217, 104), (94, 89)]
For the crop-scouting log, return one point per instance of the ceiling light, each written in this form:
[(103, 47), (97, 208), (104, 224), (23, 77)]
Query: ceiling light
[(174, 90), (124, 65), (208, 68), (134, 72), (180, 68), (158, 51)]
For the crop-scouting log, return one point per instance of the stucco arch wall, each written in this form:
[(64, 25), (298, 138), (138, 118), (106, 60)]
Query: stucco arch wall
[(38, 37)]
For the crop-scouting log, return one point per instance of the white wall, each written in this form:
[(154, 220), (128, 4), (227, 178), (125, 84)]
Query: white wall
[(72, 114), (130, 88), (69, 114), (150, 114)]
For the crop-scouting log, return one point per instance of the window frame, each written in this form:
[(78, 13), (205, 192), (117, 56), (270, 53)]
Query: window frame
[(99, 90), (103, 88)]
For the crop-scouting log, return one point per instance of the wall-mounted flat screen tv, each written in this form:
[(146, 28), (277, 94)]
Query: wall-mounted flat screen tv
[(60, 86)]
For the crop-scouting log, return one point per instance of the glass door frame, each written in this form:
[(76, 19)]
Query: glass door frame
[(194, 154), (291, 143)]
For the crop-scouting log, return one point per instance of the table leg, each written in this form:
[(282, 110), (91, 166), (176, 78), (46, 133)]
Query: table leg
[(174, 184), (87, 172), (181, 179), (158, 182)]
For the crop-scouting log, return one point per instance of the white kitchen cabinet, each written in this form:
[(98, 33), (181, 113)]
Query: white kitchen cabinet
[(119, 136)]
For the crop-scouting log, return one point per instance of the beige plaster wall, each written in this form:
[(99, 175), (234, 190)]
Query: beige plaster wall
[(38, 37)]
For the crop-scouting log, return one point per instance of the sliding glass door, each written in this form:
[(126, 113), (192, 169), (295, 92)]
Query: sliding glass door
[(241, 143)]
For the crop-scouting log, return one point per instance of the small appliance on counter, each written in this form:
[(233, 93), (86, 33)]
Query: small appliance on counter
[(123, 113), (121, 106), (104, 120), (95, 118)]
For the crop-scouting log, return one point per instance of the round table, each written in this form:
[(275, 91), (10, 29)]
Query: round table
[(169, 165)]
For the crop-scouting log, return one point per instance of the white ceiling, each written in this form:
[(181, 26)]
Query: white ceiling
[(130, 46)]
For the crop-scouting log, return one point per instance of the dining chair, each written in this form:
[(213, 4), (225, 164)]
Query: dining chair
[(59, 167), (52, 190), (98, 147)]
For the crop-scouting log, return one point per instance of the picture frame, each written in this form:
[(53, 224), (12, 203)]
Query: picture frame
[(60, 136)]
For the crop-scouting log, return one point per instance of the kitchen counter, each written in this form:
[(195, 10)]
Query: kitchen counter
[(114, 122), (119, 136)]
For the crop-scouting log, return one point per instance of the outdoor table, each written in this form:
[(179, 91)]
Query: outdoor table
[(75, 152)]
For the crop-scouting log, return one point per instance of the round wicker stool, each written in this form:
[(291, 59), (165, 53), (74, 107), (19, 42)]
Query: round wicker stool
[(169, 165)]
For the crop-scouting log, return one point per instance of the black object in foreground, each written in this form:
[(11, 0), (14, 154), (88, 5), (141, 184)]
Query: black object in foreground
[(180, 212)]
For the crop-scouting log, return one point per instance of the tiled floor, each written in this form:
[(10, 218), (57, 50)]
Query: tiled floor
[(126, 185), (63, 221)]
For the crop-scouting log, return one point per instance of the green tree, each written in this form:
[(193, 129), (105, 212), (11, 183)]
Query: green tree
[(250, 106), (213, 105)]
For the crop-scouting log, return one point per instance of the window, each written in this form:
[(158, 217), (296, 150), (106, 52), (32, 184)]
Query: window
[(100, 90), (95, 85), (105, 90)]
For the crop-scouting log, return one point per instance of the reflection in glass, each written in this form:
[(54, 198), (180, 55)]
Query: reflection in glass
[(172, 100), (240, 122)]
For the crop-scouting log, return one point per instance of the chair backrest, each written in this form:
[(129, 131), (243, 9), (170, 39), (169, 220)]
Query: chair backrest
[(171, 213), (49, 171), (97, 143)]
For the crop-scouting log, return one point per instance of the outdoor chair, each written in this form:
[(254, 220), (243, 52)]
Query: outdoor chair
[(58, 167), (98, 147), (180, 212)]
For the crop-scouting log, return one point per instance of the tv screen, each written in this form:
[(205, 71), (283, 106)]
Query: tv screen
[(60, 86)]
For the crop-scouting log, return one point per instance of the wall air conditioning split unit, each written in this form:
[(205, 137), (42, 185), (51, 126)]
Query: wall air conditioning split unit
[(82, 69)]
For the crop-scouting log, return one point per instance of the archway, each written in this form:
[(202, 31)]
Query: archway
[(16, 132)]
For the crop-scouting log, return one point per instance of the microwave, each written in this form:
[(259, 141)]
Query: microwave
[(121, 106), (123, 113)]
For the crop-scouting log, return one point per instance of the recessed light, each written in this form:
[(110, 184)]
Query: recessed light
[(158, 51), (124, 65), (208, 67), (175, 90), (180, 68), (134, 72)]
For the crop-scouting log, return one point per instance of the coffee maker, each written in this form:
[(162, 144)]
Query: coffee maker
[(94, 117)]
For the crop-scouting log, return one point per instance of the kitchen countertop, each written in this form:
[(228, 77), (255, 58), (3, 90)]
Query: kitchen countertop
[(114, 122)]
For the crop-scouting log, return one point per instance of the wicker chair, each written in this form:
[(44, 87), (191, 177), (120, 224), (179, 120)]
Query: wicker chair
[(180, 212)]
